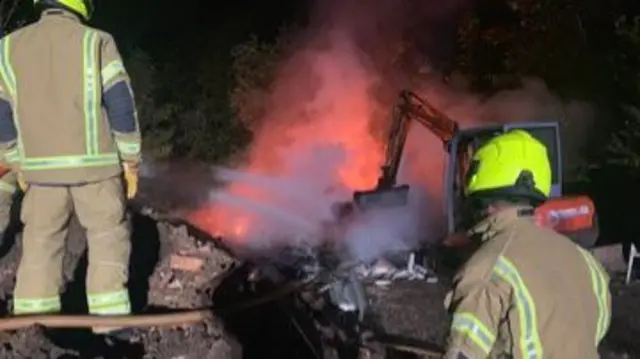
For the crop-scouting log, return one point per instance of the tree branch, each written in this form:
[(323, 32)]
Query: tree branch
[(6, 12)]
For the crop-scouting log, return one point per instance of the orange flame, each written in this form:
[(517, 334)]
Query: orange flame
[(318, 130)]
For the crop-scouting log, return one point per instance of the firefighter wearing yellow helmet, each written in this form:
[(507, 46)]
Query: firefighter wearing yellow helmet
[(527, 292), (68, 127)]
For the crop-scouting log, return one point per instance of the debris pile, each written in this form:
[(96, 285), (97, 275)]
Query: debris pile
[(31, 343), (188, 271), (174, 268), (383, 272), (185, 276)]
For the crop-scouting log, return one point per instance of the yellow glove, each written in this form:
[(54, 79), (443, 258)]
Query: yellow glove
[(22, 183), (131, 178)]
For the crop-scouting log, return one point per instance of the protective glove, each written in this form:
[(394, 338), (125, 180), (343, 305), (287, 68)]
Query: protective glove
[(22, 183), (131, 178)]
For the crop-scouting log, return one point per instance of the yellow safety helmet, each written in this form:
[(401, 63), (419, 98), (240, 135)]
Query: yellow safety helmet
[(83, 8), (511, 165)]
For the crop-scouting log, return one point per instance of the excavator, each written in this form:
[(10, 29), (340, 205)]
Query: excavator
[(573, 216)]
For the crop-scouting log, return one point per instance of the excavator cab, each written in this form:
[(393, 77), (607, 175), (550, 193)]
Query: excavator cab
[(466, 142), (573, 216)]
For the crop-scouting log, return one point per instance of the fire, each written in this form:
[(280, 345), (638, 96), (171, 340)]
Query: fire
[(240, 227), (316, 135), (316, 138), (356, 164)]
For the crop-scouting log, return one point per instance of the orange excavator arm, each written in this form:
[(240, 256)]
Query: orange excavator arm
[(411, 108)]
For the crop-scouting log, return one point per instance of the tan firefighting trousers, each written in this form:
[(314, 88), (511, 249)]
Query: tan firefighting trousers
[(101, 210), (8, 188), (6, 201)]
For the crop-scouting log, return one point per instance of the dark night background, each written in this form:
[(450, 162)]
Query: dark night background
[(179, 55), (159, 25), (204, 73)]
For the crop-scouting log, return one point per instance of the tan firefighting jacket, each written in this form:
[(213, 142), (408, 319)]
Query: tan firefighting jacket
[(528, 292), (54, 73)]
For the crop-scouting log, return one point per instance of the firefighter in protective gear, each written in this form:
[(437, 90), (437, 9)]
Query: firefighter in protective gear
[(527, 292), (68, 125)]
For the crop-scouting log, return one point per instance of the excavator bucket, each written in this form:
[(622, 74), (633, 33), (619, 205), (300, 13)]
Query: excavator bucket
[(382, 197)]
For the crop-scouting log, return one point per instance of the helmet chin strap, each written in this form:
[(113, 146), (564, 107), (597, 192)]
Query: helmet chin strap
[(90, 9)]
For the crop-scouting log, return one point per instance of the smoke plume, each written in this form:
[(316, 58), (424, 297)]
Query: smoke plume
[(323, 133)]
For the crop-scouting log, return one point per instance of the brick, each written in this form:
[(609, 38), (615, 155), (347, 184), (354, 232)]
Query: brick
[(186, 263)]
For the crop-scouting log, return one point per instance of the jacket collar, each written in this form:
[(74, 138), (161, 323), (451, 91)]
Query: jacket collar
[(60, 13), (501, 220)]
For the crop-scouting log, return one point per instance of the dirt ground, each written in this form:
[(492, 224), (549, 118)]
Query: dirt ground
[(415, 313), (163, 276), (155, 286)]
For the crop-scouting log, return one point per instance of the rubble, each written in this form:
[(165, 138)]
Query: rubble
[(383, 272), (205, 340), (174, 267), (162, 286), (185, 263), (31, 344), (188, 270)]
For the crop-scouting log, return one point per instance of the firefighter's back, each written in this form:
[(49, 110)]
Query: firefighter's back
[(52, 64), (567, 291)]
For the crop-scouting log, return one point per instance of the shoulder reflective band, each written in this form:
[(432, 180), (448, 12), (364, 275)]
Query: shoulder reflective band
[(6, 70), (62, 162), (111, 71), (469, 325), (530, 344), (601, 291), (9, 79), (91, 90)]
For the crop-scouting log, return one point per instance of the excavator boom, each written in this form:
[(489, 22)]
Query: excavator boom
[(422, 111), (410, 108)]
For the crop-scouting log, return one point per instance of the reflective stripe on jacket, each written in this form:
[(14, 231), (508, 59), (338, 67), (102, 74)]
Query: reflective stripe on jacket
[(9, 184), (528, 292), (54, 74)]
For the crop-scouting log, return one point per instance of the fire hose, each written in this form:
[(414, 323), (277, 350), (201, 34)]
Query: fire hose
[(147, 320), (179, 318)]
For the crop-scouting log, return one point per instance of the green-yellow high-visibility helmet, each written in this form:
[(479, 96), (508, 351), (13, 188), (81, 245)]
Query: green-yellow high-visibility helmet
[(83, 8), (511, 165)]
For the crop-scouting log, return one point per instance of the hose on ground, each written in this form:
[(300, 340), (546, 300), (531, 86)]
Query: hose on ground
[(181, 318), (413, 348), (147, 320)]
